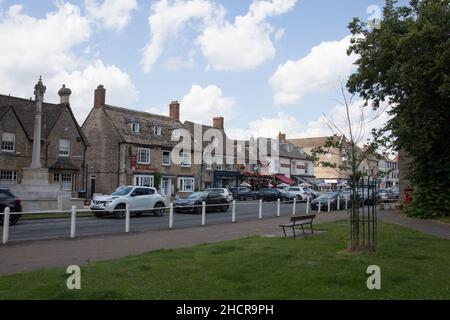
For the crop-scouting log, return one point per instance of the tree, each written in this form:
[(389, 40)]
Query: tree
[(406, 63), (363, 225)]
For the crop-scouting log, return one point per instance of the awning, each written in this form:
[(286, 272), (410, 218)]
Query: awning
[(284, 179), (312, 181)]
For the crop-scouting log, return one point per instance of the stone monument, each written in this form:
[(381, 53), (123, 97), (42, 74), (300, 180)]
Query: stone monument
[(35, 191)]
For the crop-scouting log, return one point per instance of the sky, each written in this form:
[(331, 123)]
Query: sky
[(264, 65)]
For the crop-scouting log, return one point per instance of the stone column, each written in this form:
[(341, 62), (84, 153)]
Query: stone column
[(39, 91)]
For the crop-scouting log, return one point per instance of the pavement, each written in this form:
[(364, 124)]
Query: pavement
[(19, 257)]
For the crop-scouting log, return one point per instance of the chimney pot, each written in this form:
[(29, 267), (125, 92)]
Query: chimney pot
[(218, 123), (100, 97), (64, 94), (282, 137), (174, 110)]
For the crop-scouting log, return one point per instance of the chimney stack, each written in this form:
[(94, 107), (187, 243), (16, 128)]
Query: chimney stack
[(174, 110), (99, 97), (282, 137), (64, 94), (218, 123)]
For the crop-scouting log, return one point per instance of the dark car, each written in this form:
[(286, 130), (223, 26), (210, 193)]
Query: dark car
[(243, 193), (270, 194), (7, 199), (324, 198), (214, 202)]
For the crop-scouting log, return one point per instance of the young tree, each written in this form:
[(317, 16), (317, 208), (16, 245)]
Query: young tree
[(345, 142), (406, 62)]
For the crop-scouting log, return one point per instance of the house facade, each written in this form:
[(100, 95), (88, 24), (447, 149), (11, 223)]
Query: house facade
[(131, 147), (390, 172), (63, 144)]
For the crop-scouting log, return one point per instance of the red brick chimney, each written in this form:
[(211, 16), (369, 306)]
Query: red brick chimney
[(282, 137), (99, 97), (174, 110), (218, 123)]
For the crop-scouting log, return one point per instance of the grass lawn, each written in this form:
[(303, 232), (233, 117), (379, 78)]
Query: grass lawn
[(413, 265), (54, 216)]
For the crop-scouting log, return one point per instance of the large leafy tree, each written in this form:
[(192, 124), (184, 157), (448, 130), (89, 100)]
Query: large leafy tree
[(406, 62)]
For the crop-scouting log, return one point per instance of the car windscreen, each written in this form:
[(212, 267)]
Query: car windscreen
[(327, 195), (197, 195), (122, 191), (218, 190)]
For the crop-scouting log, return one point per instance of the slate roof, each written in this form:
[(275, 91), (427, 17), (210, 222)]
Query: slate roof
[(190, 126), (123, 118), (63, 164), (25, 111)]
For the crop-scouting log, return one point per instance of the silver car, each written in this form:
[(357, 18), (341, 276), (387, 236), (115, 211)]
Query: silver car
[(227, 193)]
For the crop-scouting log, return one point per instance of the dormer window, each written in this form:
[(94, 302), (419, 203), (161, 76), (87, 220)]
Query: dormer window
[(289, 147), (157, 131), (135, 127)]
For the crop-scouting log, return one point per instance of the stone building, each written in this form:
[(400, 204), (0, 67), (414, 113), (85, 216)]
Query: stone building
[(225, 172), (129, 147), (63, 145), (330, 176)]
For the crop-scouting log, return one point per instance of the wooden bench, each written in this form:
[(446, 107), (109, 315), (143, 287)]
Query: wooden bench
[(299, 221)]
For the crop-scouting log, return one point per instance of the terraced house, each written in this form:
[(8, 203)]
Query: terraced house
[(131, 147), (63, 144)]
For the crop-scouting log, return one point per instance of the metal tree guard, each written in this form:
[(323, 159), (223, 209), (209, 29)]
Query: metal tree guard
[(363, 214)]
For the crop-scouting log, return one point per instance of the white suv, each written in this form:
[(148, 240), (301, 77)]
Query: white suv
[(139, 200), (300, 192), (227, 193)]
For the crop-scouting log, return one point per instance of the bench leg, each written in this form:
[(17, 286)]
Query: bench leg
[(293, 231), (284, 231), (303, 229), (312, 230)]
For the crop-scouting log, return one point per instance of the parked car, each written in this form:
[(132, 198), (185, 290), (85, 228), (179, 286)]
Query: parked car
[(139, 200), (7, 199), (270, 194), (323, 199), (301, 192), (314, 193), (215, 202), (227, 193), (243, 193)]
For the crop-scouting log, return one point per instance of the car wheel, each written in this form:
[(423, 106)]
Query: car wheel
[(225, 208), (120, 213), (99, 214), (13, 220), (159, 209), (241, 198)]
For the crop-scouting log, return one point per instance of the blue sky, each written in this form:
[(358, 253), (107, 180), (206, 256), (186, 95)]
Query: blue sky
[(108, 48)]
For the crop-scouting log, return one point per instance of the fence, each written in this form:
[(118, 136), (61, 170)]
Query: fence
[(72, 214)]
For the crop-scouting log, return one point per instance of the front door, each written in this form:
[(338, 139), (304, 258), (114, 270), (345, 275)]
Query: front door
[(93, 185)]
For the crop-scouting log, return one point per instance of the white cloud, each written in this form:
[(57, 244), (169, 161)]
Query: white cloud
[(288, 124), (321, 70), (203, 104), (268, 127), (168, 18), (120, 90), (46, 47), (178, 62), (243, 44), (246, 43), (113, 14)]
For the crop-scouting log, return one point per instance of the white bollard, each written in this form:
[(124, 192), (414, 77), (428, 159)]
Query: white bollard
[(6, 225), (233, 211), (278, 208), (339, 203), (127, 219), (73, 221), (294, 206), (319, 207), (307, 205), (203, 213), (171, 215), (260, 209), (329, 206)]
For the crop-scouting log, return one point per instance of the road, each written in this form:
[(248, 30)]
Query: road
[(60, 228)]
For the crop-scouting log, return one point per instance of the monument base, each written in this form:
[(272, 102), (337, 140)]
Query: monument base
[(36, 192), (35, 177)]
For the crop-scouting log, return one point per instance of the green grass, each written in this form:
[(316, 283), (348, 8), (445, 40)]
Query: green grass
[(413, 265)]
